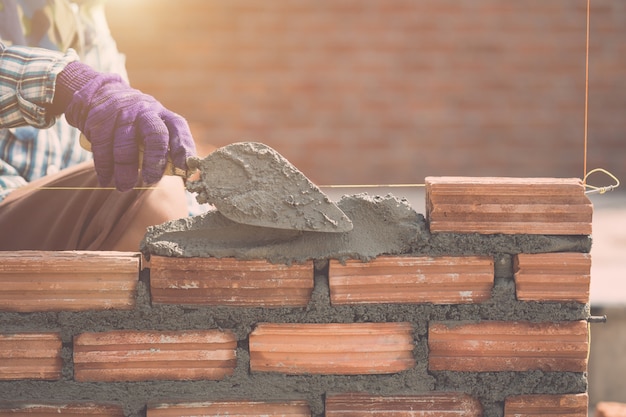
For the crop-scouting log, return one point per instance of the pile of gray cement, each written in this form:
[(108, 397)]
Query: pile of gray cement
[(381, 225), (265, 208)]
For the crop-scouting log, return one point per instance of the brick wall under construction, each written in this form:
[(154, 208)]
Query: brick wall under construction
[(494, 322)]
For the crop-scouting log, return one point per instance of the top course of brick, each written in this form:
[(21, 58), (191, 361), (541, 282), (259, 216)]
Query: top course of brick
[(486, 205)]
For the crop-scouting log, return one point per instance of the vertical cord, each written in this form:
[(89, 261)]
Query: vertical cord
[(586, 94)]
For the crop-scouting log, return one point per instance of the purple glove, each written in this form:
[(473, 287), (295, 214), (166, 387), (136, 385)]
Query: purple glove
[(117, 119)]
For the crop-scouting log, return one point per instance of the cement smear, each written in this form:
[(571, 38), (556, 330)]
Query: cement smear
[(381, 225), (267, 209), (250, 183)]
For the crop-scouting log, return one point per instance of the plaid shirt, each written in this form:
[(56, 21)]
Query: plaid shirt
[(32, 143), (27, 79)]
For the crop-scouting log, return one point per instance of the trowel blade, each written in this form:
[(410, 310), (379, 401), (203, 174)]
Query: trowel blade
[(251, 183)]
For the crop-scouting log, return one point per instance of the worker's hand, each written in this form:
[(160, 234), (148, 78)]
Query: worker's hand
[(117, 120)]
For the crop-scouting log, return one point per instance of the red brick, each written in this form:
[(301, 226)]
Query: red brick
[(490, 205), (388, 279), (127, 355), (508, 346), (553, 277), (68, 280), (568, 405), (30, 356), (610, 409), (228, 281), (50, 410), (241, 408), (332, 348), (435, 404)]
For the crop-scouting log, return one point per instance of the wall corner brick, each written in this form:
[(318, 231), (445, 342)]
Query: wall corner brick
[(508, 346), (490, 205), (567, 405), (563, 276)]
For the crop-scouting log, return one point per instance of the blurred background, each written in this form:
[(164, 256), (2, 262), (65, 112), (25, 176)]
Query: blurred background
[(389, 91), (392, 91)]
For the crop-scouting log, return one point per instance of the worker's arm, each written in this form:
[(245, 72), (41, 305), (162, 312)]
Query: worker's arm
[(27, 84), (36, 85)]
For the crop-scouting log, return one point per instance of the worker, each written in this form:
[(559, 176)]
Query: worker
[(61, 75)]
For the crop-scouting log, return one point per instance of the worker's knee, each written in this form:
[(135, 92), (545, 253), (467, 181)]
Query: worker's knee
[(165, 201)]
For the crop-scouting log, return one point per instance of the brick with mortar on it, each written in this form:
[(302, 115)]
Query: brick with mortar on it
[(567, 405), (241, 408), (54, 410), (228, 281), (391, 279), (610, 409), (332, 348), (508, 346), (553, 277), (435, 404), (488, 205), (68, 280), (127, 355), (30, 356)]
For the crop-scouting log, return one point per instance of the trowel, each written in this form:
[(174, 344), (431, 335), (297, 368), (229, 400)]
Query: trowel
[(251, 183)]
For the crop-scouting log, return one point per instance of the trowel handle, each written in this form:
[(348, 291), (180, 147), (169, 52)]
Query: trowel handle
[(170, 169)]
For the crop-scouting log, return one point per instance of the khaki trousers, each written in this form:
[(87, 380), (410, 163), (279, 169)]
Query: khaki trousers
[(45, 216)]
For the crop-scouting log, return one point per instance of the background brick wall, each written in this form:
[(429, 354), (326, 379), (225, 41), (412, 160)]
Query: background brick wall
[(368, 91)]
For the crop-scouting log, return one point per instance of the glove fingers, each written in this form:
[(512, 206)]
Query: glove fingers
[(155, 137), (181, 143), (125, 157), (103, 161)]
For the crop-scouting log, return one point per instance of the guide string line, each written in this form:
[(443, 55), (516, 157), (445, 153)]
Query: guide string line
[(586, 93), (591, 189)]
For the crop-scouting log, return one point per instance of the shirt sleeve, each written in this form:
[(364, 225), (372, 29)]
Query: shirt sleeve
[(27, 81)]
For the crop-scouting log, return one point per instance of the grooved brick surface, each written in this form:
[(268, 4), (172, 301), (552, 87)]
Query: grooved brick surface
[(489, 205), (228, 281), (30, 356), (241, 408), (388, 279), (67, 280), (436, 404), (334, 348), (50, 410), (508, 346), (127, 355), (569, 405), (553, 276)]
